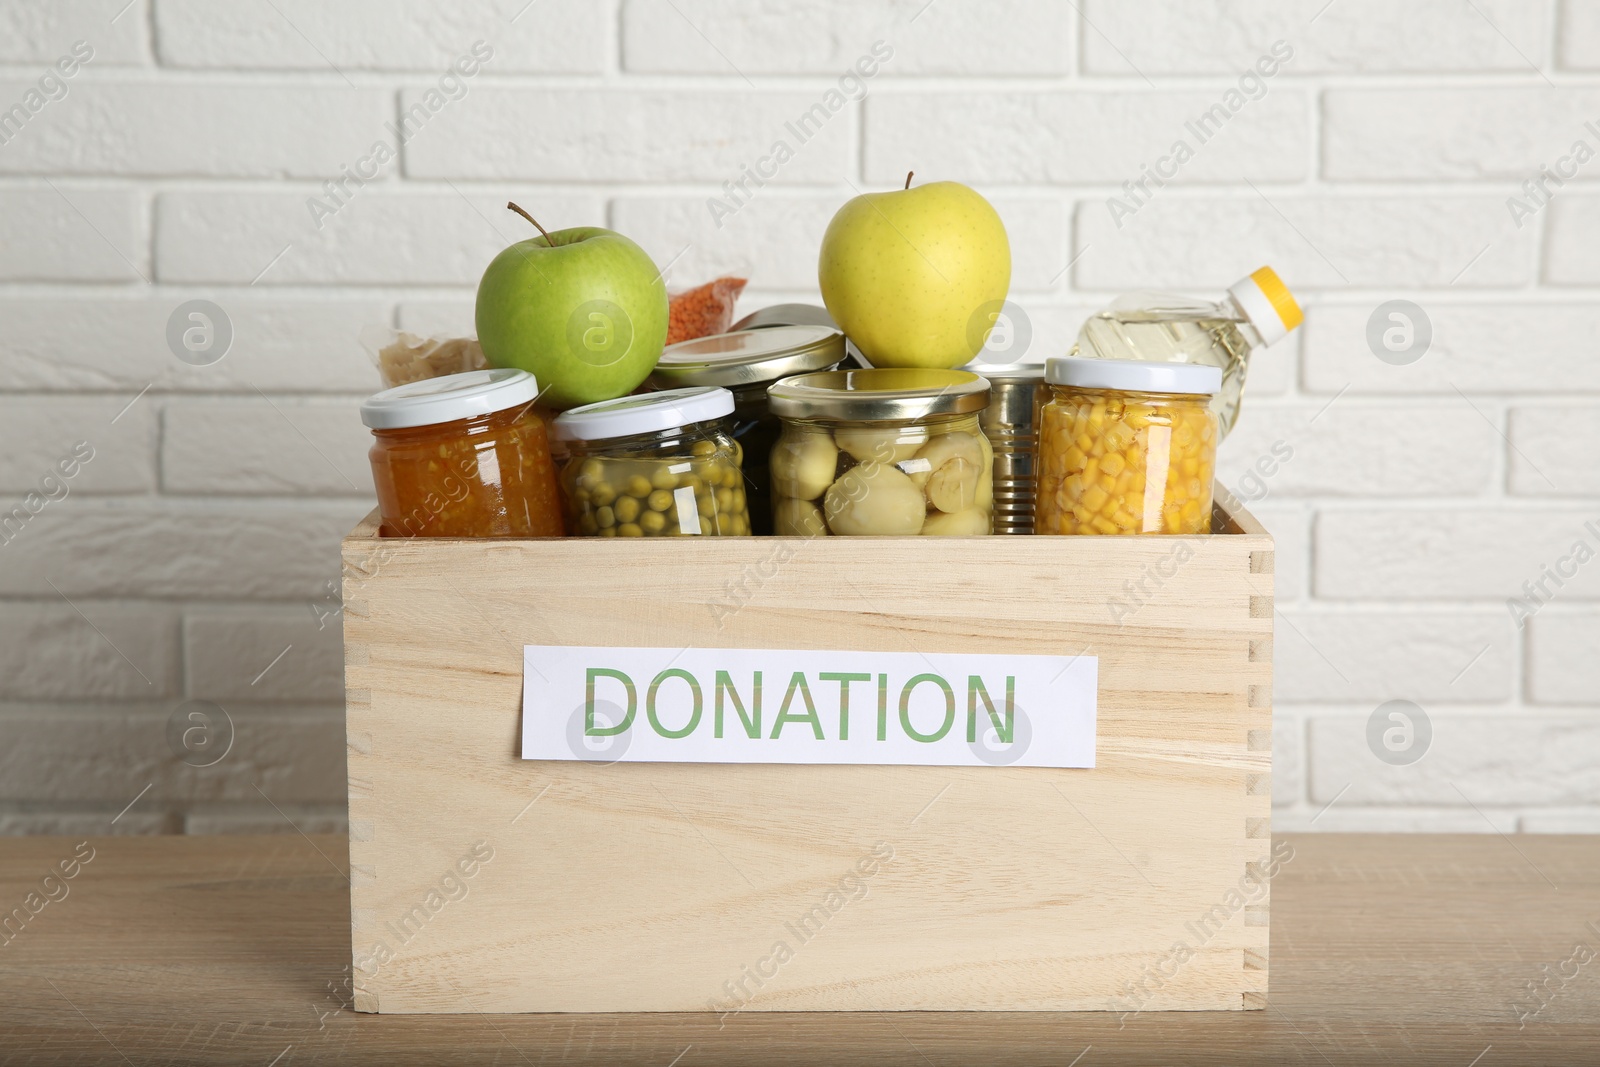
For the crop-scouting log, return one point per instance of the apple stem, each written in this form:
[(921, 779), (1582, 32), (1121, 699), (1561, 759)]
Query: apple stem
[(512, 205), (909, 173)]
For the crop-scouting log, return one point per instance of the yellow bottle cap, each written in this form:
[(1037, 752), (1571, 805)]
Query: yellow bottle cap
[(1268, 304)]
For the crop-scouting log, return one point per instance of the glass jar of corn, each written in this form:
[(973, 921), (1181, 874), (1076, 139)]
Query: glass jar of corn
[(1126, 447)]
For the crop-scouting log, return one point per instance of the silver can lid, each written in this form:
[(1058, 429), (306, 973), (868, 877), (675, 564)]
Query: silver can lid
[(786, 315), (879, 394), (1021, 369)]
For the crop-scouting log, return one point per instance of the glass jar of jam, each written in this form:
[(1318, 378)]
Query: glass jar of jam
[(654, 465), (892, 451), (745, 363), (1126, 447), (463, 455)]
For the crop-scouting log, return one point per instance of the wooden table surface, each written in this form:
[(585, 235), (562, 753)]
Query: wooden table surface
[(1385, 949)]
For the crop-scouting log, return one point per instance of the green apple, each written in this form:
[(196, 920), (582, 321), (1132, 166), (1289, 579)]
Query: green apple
[(585, 310), (916, 277)]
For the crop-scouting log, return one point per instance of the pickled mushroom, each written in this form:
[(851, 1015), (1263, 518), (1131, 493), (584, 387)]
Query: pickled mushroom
[(886, 446), (798, 518), (957, 460), (875, 498), (803, 469), (969, 523)]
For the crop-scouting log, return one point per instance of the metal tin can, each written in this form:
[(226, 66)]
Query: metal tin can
[(1011, 423)]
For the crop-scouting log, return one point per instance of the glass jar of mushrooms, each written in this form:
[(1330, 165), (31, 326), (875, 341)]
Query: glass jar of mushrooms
[(886, 452)]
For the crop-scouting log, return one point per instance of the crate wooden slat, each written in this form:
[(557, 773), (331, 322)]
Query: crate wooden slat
[(657, 887)]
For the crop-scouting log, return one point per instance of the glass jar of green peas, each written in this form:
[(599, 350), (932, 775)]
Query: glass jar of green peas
[(654, 465)]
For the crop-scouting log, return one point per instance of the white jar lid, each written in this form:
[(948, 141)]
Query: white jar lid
[(643, 413), (1134, 375), (449, 398)]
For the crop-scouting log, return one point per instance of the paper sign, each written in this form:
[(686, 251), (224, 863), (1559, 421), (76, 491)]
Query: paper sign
[(739, 705)]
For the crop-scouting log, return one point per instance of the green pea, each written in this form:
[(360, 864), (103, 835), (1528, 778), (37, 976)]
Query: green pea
[(605, 517), (587, 524), (609, 531), (660, 500), (629, 529), (603, 494), (653, 522), (639, 486), (591, 472), (627, 509), (704, 448), (664, 479)]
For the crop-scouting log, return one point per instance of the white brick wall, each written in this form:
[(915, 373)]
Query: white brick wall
[(191, 558)]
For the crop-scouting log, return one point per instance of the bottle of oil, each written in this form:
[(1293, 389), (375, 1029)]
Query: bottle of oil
[(1256, 312)]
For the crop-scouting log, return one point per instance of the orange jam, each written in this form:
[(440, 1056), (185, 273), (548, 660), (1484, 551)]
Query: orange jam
[(486, 475)]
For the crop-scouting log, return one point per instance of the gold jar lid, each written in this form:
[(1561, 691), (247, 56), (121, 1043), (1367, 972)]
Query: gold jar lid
[(879, 394), (749, 357)]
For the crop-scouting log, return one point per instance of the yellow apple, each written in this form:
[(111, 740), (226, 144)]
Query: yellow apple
[(916, 277)]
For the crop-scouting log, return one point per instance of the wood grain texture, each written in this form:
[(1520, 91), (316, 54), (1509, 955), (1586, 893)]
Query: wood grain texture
[(1386, 949), (658, 887)]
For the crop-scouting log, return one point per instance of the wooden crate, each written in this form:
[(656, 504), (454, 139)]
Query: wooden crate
[(494, 884)]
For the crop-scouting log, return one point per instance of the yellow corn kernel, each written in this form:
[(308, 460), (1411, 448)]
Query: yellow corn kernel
[(1091, 470), (1124, 520), (1084, 442), (1191, 512), (1097, 417), (1081, 513), (1191, 466), (1108, 483), (1113, 463), (1094, 498), (1103, 524), (1076, 457)]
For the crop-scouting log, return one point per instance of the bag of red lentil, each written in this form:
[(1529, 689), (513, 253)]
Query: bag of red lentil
[(703, 310)]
